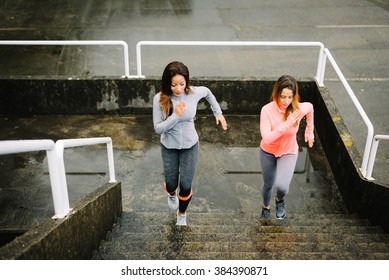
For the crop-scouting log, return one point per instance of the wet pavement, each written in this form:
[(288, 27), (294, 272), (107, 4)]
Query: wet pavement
[(228, 175)]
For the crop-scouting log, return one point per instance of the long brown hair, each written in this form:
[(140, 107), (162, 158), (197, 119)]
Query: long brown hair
[(289, 82), (172, 69)]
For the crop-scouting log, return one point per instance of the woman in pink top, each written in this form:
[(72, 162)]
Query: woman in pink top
[(279, 123)]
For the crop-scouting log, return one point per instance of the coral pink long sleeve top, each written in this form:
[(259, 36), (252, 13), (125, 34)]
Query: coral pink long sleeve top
[(279, 135)]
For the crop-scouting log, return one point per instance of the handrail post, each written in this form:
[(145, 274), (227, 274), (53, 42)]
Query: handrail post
[(373, 153), (61, 205), (111, 165), (367, 151), (126, 59), (321, 67), (139, 59), (63, 197)]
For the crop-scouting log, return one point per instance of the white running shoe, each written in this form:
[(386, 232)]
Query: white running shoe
[(181, 220), (172, 201)]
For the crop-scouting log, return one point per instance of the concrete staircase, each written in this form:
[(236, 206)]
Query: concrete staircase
[(154, 235), (224, 214)]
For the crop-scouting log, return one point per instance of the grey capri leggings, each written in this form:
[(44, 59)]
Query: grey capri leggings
[(276, 172)]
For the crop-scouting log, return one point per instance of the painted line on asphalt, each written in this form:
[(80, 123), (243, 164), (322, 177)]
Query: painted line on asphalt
[(353, 26)]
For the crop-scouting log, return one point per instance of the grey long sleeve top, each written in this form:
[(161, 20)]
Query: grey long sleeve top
[(179, 132)]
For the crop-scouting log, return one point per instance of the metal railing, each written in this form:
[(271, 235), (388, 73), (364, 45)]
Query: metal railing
[(324, 53), (358, 106), (74, 43), (373, 154), (55, 159), (61, 206), (228, 43)]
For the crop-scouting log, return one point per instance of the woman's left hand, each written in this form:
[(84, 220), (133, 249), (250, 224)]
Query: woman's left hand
[(222, 120), (310, 142)]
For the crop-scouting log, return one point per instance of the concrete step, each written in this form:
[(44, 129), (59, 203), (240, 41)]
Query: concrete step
[(212, 229), (182, 255), (253, 246), (262, 237), (154, 235), (151, 218)]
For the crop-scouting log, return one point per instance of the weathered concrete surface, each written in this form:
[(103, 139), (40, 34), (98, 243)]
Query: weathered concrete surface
[(74, 237), (27, 97), (356, 33), (367, 198)]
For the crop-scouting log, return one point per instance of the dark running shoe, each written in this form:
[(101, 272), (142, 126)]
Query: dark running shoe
[(280, 209), (265, 215)]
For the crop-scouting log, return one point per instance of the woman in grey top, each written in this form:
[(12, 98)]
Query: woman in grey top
[(174, 110)]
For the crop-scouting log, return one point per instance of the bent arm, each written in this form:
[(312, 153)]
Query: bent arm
[(269, 135), (161, 124), (308, 135)]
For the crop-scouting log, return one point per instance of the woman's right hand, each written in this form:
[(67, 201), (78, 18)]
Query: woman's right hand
[(180, 108)]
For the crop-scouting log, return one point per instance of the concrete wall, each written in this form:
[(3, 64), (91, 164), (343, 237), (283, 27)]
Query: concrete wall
[(369, 199), (76, 236), (23, 97)]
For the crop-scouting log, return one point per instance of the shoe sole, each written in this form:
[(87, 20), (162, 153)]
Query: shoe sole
[(281, 218)]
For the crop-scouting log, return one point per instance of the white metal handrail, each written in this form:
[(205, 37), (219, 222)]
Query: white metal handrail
[(228, 43), (61, 205), (324, 53), (23, 146), (373, 153), (74, 43), (370, 128), (55, 158), (78, 142), (60, 145)]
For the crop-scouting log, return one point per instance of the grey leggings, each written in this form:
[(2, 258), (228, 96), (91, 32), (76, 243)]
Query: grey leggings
[(276, 172), (179, 168)]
